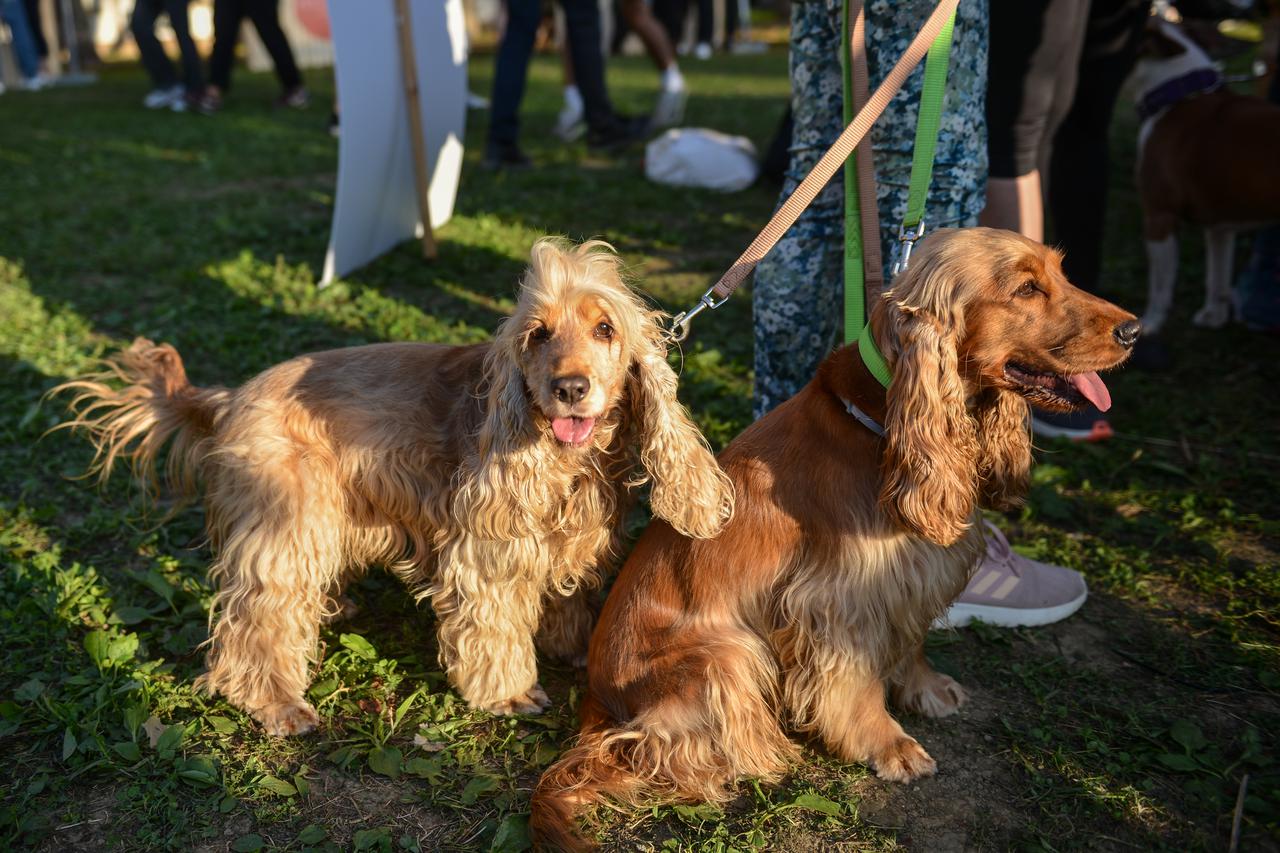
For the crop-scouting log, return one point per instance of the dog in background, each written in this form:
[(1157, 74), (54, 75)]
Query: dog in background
[(492, 479), (814, 601), (1206, 157)]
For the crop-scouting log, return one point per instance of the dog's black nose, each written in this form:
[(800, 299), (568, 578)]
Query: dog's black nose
[(570, 389), (1126, 334)]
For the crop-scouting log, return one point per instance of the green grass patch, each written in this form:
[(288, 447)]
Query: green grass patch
[(1129, 725)]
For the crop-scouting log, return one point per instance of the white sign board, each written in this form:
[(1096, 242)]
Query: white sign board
[(376, 205)]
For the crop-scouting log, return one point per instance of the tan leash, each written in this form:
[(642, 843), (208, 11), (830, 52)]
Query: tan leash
[(825, 168)]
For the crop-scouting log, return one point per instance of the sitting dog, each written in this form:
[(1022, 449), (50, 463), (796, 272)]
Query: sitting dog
[(491, 478), (847, 540), (1207, 157)]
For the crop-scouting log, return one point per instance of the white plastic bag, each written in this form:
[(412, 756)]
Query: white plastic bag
[(697, 157)]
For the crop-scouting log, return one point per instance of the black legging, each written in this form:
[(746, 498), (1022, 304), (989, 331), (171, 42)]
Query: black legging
[(1079, 167), (227, 17), (143, 23), (1035, 45)]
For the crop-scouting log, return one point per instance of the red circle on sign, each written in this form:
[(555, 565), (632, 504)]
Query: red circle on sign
[(314, 17)]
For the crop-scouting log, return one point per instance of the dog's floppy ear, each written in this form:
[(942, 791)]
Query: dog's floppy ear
[(929, 479), (1004, 449), (690, 491), (499, 488)]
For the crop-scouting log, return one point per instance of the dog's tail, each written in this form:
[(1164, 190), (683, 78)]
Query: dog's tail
[(678, 751), (155, 405)]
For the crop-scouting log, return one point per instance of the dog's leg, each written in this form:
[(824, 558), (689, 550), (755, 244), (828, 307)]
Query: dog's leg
[(1220, 246), (835, 694), (1162, 274), (264, 636), (565, 628), (486, 627), (278, 562), (918, 687)]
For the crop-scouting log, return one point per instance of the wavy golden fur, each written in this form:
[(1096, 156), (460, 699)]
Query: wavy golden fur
[(492, 478), (813, 602)]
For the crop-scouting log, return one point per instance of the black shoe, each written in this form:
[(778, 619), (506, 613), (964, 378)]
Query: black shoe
[(1151, 354), (618, 134), (505, 156)]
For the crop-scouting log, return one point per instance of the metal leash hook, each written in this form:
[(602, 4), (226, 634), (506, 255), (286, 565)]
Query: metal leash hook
[(680, 323), (906, 242)]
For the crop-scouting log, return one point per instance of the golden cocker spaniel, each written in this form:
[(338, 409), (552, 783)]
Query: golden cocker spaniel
[(813, 603), (493, 479)]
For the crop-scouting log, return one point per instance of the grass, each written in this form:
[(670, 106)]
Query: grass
[(1128, 726)]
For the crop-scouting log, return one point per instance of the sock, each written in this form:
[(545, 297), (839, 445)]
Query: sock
[(672, 79), (573, 99)]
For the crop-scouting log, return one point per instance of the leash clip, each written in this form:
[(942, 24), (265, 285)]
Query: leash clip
[(680, 323), (906, 242)]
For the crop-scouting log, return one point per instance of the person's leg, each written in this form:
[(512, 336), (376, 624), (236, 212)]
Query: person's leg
[(637, 16), (36, 25), (192, 68), (511, 70), (958, 191), (1035, 48), (706, 28), (796, 298), (24, 46), (671, 14), (582, 21), (142, 25), (1080, 162), (265, 15), (227, 15)]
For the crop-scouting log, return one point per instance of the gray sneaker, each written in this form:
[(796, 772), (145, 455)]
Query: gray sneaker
[(669, 111), (159, 99), (1012, 591)]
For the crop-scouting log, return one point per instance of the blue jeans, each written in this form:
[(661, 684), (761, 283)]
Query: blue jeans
[(24, 43), (582, 20)]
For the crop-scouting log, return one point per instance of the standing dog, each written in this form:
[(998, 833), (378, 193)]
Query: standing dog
[(814, 601), (1207, 157), (491, 478)]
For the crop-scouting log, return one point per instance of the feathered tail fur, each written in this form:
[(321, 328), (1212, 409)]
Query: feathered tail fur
[(156, 404)]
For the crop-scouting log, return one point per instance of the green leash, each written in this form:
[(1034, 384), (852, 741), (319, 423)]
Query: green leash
[(856, 325)]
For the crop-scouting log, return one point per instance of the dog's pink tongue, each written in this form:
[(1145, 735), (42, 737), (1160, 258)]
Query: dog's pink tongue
[(1092, 387), (572, 430)]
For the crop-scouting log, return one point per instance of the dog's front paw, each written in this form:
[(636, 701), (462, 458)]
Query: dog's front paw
[(1213, 315), (287, 718), (904, 761), (938, 696), (532, 701)]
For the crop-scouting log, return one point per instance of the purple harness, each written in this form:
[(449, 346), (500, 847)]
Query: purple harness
[(1198, 82)]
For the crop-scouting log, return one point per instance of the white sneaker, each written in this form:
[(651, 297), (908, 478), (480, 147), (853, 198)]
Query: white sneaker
[(571, 124), (669, 111), (158, 99), (702, 51), (38, 82)]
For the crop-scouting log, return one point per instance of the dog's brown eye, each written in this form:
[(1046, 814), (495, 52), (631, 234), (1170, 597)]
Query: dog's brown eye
[(604, 330), (540, 334), (1028, 288)]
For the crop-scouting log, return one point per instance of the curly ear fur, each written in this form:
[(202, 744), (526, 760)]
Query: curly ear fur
[(499, 488), (930, 463), (1004, 452), (690, 491)]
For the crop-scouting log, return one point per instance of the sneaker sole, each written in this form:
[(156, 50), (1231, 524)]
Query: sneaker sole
[(1100, 431), (961, 614)]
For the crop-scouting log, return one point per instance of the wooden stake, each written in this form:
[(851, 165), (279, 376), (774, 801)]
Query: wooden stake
[(409, 64)]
